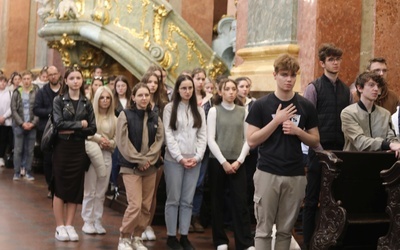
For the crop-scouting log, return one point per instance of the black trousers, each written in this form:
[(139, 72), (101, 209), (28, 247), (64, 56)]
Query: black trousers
[(6, 139), (238, 205)]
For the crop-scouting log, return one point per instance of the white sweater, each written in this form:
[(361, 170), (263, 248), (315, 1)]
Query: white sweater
[(5, 106), (186, 141)]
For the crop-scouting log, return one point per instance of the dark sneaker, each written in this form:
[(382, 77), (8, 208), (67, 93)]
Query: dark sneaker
[(185, 243), (173, 243)]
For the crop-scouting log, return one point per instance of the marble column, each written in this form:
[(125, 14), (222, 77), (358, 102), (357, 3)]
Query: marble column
[(338, 22), (271, 30), (16, 55), (385, 38)]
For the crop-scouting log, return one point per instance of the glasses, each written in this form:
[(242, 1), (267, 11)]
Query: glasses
[(184, 89), (377, 71), (333, 59), (105, 98), (52, 75)]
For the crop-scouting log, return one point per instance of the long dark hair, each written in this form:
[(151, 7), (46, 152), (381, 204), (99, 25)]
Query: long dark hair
[(217, 99), (157, 96), (68, 71), (192, 104), (128, 89), (197, 71)]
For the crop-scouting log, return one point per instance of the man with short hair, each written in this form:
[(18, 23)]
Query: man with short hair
[(386, 98), (366, 126), (42, 108), (330, 96), (278, 123)]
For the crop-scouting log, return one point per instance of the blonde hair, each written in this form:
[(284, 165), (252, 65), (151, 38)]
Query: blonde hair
[(110, 116)]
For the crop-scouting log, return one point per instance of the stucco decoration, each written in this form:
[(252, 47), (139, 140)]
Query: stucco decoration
[(224, 44), (46, 8), (67, 9)]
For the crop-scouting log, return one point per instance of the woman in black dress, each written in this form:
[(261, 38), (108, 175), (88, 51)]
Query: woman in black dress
[(74, 119)]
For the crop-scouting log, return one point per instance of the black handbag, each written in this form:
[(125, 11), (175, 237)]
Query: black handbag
[(49, 136)]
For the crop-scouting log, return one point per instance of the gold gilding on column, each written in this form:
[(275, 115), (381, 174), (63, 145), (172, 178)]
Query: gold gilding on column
[(62, 46)]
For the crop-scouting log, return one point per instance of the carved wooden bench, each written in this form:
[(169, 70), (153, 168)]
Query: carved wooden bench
[(356, 212)]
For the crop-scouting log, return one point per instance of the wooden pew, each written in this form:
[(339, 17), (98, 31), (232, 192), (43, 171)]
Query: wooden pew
[(355, 210)]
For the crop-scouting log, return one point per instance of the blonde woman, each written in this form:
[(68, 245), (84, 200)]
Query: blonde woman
[(95, 186)]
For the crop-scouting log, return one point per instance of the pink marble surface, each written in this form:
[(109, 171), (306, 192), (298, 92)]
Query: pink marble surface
[(200, 14), (386, 43), (337, 22), (306, 30), (241, 28)]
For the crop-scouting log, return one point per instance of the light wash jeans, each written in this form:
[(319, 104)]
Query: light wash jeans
[(24, 144), (180, 185)]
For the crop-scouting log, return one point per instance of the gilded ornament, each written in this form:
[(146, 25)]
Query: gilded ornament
[(62, 46), (159, 13), (91, 57)]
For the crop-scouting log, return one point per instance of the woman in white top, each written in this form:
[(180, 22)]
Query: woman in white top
[(226, 140), (5, 118), (185, 138)]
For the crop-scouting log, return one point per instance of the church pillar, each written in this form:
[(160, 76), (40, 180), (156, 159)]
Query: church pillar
[(271, 30)]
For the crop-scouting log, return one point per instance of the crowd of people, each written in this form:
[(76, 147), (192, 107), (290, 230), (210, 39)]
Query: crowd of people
[(251, 150)]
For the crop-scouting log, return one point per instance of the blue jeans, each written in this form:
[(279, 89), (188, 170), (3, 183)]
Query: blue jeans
[(24, 144), (180, 184), (115, 167), (198, 195)]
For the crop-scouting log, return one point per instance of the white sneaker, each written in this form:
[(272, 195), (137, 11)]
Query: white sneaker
[(29, 177), (222, 247), (2, 162), (251, 248), (148, 234), (124, 244), (99, 228), (137, 244), (73, 236), (88, 228), (61, 234)]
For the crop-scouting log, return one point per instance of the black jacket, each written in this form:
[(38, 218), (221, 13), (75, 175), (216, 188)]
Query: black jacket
[(44, 105), (66, 118)]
